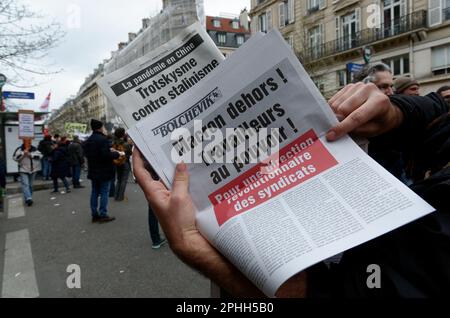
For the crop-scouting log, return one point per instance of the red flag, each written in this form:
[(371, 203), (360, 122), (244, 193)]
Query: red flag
[(45, 106)]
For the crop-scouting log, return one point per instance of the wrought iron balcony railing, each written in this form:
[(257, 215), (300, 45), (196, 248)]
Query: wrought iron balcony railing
[(402, 25)]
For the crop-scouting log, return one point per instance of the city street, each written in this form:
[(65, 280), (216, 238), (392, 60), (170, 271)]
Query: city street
[(38, 244)]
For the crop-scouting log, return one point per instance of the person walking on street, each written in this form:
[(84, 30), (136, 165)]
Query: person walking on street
[(76, 157), (60, 166), (45, 147), (153, 226), (29, 159), (100, 156), (123, 165)]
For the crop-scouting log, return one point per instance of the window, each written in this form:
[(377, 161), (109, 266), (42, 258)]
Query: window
[(440, 57), (221, 38), (344, 78), (262, 22), (286, 12), (399, 65), (290, 41), (315, 5), (235, 25), (216, 23), (446, 11), (240, 39), (349, 29), (315, 40)]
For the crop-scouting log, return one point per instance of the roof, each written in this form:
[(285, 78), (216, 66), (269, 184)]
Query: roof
[(225, 25)]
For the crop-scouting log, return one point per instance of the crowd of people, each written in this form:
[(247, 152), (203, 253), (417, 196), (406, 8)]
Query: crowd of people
[(108, 163)]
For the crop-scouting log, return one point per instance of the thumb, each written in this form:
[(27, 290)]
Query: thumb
[(181, 181)]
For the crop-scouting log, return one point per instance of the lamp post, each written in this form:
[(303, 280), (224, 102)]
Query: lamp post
[(2, 83)]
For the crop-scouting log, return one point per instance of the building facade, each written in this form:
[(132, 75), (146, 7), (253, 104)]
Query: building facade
[(90, 103), (283, 15), (331, 37), (228, 33)]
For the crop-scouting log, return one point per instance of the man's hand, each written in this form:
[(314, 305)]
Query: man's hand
[(175, 210), (176, 214), (364, 111)]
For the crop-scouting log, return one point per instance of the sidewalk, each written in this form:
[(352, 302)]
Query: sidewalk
[(38, 185)]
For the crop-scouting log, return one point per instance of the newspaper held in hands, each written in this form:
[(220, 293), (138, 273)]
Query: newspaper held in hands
[(272, 195)]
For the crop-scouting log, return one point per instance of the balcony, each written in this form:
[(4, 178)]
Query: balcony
[(313, 9), (403, 25)]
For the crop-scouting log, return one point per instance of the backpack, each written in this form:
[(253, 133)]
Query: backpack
[(122, 159)]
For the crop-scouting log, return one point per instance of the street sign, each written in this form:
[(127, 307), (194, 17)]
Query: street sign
[(354, 68), (18, 95), (26, 124), (2, 80)]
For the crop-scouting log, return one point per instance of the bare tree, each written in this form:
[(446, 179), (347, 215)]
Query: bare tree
[(25, 39)]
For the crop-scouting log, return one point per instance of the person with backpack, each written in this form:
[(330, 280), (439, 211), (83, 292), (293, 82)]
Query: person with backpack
[(414, 259), (123, 165)]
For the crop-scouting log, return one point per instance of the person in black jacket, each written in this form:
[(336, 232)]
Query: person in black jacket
[(415, 258), (60, 166), (100, 156), (76, 157), (46, 147)]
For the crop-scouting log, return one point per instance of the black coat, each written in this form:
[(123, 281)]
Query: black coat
[(97, 150), (60, 163)]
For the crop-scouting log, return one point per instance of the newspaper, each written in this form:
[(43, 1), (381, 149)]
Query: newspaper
[(294, 199)]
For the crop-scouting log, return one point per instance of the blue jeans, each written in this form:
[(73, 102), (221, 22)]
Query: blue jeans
[(26, 180), (46, 168), (76, 172), (153, 226), (100, 189)]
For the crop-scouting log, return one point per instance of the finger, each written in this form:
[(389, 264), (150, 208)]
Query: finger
[(353, 102), (347, 94), (339, 94), (354, 121), (181, 182), (155, 192), (344, 92)]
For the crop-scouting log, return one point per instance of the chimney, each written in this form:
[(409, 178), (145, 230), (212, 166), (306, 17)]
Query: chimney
[(145, 23), (244, 19), (131, 37), (121, 45)]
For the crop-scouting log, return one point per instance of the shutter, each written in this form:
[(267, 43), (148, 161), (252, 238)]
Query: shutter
[(338, 33), (269, 19), (358, 19), (321, 34), (254, 25), (281, 15), (321, 39), (291, 9), (403, 8), (435, 12)]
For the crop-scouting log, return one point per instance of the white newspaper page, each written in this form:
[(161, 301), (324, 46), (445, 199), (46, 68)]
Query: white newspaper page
[(153, 81), (146, 85), (307, 201)]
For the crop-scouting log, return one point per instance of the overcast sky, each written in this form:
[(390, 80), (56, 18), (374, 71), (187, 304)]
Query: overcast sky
[(102, 24)]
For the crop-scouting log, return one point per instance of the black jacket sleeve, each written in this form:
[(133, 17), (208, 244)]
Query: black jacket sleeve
[(419, 112)]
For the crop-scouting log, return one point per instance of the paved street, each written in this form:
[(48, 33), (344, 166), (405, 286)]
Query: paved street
[(38, 244)]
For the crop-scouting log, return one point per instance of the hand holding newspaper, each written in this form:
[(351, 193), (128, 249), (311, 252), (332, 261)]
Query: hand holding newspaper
[(272, 195)]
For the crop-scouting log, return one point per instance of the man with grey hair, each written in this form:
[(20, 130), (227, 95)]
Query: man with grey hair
[(380, 74)]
